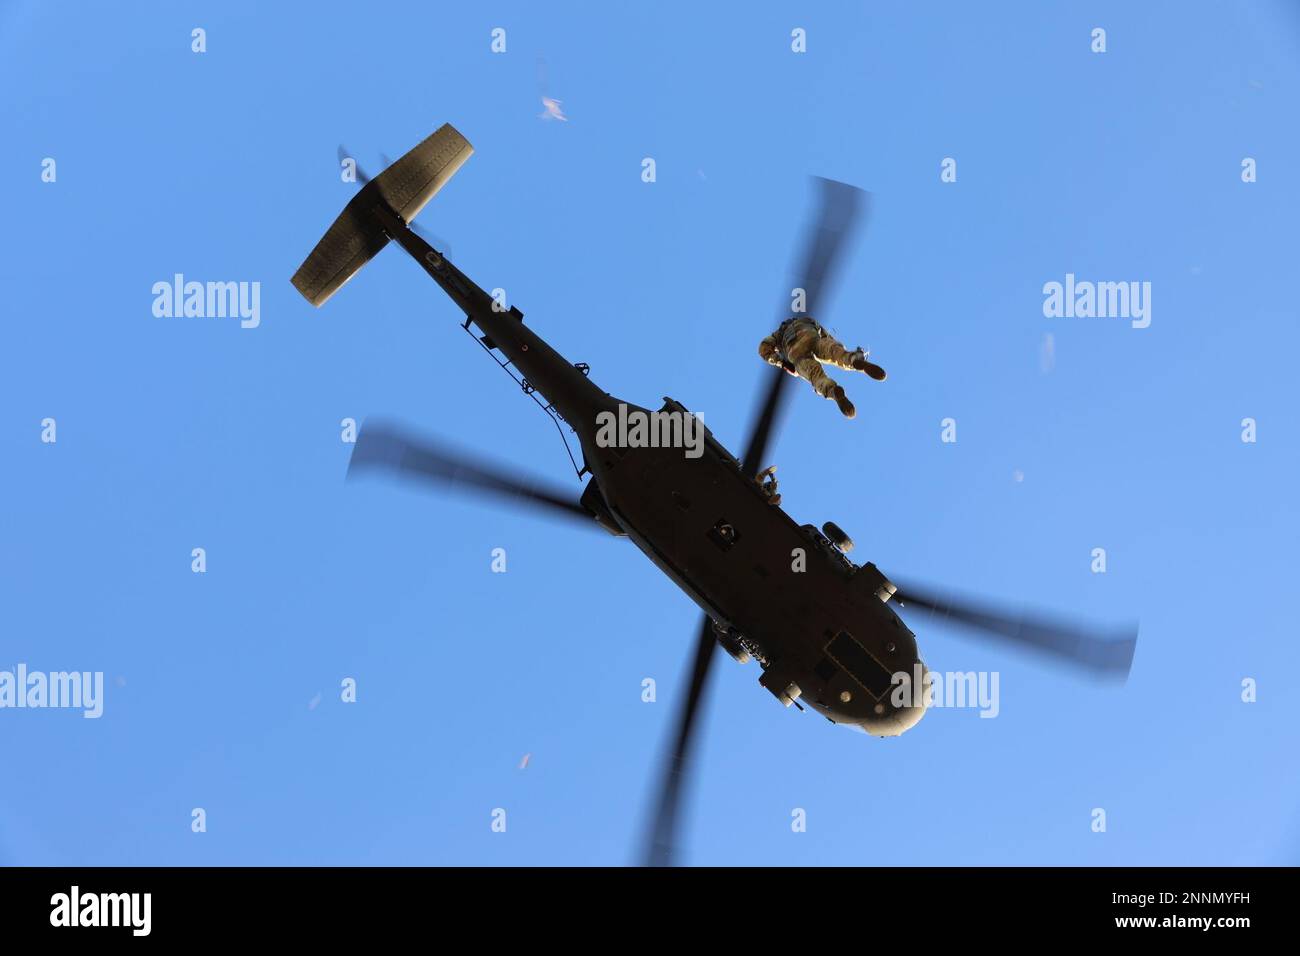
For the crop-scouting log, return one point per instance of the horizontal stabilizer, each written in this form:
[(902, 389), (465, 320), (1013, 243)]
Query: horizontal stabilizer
[(356, 236)]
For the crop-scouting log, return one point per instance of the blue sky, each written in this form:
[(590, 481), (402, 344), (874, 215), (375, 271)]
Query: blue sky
[(178, 433)]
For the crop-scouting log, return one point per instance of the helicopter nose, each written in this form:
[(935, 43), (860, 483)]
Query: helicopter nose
[(902, 708)]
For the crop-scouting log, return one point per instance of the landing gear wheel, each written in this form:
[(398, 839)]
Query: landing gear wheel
[(731, 645), (837, 537)]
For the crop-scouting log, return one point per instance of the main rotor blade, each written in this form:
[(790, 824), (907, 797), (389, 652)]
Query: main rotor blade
[(842, 206), (1108, 654), (840, 210), (380, 446), (764, 424), (661, 847)]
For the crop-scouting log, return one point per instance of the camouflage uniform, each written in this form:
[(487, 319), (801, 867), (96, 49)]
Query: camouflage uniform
[(766, 481), (801, 347)]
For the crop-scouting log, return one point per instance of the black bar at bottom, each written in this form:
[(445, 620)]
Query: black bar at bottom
[(329, 905)]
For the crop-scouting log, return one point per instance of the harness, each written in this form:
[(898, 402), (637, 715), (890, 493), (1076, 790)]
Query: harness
[(785, 327)]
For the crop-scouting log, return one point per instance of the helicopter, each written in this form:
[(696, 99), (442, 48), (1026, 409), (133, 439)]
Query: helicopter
[(824, 631)]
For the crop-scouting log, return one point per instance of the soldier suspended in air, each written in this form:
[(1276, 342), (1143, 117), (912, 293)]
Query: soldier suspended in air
[(801, 346)]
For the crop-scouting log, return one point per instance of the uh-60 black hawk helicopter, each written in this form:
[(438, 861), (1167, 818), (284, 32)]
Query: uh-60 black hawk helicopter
[(827, 635)]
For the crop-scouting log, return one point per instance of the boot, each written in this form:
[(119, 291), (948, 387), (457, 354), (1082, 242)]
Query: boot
[(862, 364), (842, 400)]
